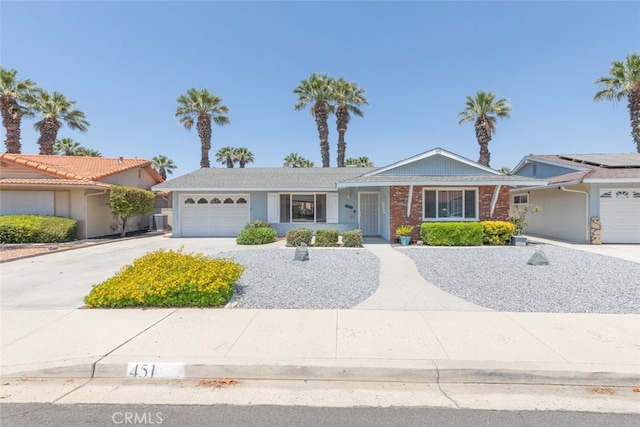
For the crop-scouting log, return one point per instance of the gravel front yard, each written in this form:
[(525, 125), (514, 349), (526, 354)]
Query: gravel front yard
[(500, 278)]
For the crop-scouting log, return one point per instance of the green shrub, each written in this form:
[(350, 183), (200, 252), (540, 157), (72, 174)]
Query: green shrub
[(326, 238), (258, 223), (37, 229), (451, 233), (256, 236), (352, 238), (497, 232), (169, 279), (299, 235)]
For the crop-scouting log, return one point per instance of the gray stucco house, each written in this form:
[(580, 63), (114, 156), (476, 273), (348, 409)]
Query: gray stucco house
[(436, 185), (589, 198)]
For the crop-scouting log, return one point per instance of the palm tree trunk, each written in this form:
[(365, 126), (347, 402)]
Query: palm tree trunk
[(483, 136), (11, 121), (320, 111), (634, 112), (48, 134), (163, 173), (342, 119), (204, 132)]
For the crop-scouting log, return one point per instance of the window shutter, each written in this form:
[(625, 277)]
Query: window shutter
[(272, 208), (332, 208)]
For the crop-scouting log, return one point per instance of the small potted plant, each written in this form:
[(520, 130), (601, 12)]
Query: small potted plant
[(404, 233), (518, 219)]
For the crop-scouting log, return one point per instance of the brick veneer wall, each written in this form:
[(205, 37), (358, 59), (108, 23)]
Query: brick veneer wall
[(398, 207)]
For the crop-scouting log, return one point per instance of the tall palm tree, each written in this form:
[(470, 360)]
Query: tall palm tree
[(306, 163), (317, 90), (66, 147), (624, 80), (88, 152), (163, 165), (55, 109), (201, 107), (15, 96), (226, 155), (360, 162), (484, 108), (243, 156), (294, 160), (348, 98)]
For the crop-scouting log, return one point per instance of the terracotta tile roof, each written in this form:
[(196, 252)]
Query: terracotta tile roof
[(66, 182), (76, 167)]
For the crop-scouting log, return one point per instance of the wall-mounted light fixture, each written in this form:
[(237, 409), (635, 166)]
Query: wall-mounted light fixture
[(383, 205), (348, 194)]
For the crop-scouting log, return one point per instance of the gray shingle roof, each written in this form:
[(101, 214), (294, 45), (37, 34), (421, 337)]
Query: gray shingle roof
[(441, 180), (257, 179), (599, 167)]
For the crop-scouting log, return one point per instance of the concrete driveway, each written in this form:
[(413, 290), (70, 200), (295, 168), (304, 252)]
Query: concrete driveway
[(60, 280)]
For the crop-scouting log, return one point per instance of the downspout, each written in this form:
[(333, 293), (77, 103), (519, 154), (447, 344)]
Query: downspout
[(494, 200), (586, 210), (86, 213), (409, 201)]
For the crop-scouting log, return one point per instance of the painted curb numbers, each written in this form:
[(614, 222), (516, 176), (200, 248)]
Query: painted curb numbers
[(155, 370)]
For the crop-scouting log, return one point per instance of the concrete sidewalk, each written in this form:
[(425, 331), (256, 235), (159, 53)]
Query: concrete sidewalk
[(372, 345)]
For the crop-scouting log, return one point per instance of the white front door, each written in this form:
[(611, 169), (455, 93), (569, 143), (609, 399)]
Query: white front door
[(369, 213)]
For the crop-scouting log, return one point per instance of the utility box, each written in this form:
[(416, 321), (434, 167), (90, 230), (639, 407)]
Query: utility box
[(160, 222)]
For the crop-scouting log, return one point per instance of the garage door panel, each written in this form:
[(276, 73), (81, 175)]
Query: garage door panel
[(620, 215), (215, 218)]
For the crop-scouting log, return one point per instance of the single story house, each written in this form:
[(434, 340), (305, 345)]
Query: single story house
[(436, 185), (71, 186), (589, 198)]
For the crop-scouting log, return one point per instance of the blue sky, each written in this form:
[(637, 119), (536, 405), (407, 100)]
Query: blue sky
[(125, 63)]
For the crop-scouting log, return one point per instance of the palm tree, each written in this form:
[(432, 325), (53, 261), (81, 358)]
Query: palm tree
[(163, 165), (202, 107), (361, 162), (317, 90), (88, 152), (55, 110), (226, 155), (505, 170), (66, 147), (484, 109), (624, 80), (348, 98), (243, 156), (294, 160), (15, 96)]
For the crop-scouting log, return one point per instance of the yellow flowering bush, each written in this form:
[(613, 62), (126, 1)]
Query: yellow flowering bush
[(169, 279), (497, 232)]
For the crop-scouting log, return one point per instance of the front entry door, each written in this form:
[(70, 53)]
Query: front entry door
[(370, 213)]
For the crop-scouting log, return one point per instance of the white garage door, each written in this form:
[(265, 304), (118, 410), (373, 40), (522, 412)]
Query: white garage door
[(213, 215), (620, 215)]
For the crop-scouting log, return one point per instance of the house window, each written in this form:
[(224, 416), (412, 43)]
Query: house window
[(521, 199), (215, 201), (189, 201), (202, 201), (450, 204), (303, 208)]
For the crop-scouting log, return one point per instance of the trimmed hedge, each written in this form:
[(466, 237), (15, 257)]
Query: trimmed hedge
[(497, 232), (37, 229), (299, 235), (352, 238), (326, 238), (258, 223), (452, 233), (169, 279), (256, 236)]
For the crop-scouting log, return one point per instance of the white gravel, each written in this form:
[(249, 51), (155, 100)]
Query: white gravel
[(331, 278), (498, 277)]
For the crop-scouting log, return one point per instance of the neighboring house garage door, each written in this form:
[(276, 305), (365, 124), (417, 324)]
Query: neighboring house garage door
[(217, 215), (620, 215)]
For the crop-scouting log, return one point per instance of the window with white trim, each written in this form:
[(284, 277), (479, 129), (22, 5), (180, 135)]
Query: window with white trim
[(303, 208), (452, 204), (521, 199)]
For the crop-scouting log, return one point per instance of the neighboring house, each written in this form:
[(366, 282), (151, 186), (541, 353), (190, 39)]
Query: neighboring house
[(433, 186), (71, 186), (589, 198)]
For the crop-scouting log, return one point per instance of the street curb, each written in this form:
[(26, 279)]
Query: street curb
[(428, 374)]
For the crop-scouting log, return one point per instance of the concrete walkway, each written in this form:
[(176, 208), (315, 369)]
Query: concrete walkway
[(403, 288)]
